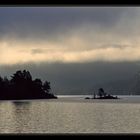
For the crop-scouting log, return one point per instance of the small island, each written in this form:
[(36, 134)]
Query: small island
[(21, 86), (102, 95)]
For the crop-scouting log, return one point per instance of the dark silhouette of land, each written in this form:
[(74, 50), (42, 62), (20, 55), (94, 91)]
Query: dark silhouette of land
[(102, 95), (22, 86)]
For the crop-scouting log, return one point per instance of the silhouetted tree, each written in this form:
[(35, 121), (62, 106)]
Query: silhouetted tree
[(101, 92), (1, 82), (1, 86), (38, 82), (46, 87), (22, 86), (37, 87), (20, 77)]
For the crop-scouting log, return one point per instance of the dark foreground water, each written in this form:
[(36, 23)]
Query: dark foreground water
[(71, 114)]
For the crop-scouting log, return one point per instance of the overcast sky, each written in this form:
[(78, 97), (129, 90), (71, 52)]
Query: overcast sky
[(71, 46)]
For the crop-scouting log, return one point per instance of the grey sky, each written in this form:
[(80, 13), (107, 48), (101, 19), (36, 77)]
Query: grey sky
[(41, 21), (71, 46)]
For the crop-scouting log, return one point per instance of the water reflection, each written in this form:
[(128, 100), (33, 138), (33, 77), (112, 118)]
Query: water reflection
[(21, 115), (21, 103), (5, 117)]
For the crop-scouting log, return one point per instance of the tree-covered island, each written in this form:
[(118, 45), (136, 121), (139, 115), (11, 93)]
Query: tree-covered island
[(22, 86)]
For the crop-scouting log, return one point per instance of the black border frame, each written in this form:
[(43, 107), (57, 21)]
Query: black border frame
[(65, 3)]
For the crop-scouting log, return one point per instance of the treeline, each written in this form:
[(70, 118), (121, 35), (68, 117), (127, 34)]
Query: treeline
[(22, 86)]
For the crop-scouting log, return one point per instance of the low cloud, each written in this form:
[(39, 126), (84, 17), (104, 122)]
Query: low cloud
[(53, 52), (37, 51)]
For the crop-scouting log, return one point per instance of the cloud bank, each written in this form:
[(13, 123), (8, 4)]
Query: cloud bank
[(69, 34)]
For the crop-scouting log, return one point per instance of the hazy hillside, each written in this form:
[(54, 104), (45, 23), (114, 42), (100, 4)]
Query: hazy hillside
[(127, 86)]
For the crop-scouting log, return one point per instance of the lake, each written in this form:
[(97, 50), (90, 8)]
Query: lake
[(71, 114)]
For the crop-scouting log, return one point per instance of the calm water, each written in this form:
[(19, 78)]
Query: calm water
[(71, 115)]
